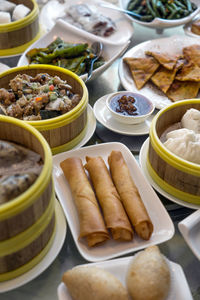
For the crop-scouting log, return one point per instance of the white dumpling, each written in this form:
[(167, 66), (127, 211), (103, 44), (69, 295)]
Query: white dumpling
[(4, 17), (7, 6), (93, 283), (148, 276), (191, 120), (20, 12), (185, 144)]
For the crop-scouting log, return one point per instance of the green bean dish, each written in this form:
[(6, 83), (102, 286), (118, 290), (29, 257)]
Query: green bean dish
[(147, 10), (74, 57)]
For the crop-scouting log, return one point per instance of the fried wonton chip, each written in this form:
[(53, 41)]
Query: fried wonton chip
[(163, 78), (141, 69), (192, 54), (183, 90), (189, 72), (168, 61)]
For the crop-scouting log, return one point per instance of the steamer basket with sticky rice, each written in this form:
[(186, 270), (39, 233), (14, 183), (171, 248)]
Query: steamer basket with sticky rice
[(177, 176), (27, 222), (17, 36), (67, 130)]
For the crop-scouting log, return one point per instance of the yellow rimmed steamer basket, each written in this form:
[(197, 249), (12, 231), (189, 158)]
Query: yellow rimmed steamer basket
[(173, 174), (27, 223), (17, 36), (66, 131)]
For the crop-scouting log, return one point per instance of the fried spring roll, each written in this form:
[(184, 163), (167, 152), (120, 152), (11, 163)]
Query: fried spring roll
[(92, 225), (114, 214), (129, 195)]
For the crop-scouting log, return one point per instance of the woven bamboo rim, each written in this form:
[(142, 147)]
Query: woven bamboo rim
[(26, 237), (162, 151), (23, 201), (29, 265), (22, 31)]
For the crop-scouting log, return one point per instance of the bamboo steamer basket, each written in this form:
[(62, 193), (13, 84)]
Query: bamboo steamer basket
[(63, 132), (17, 36), (27, 223), (173, 174)]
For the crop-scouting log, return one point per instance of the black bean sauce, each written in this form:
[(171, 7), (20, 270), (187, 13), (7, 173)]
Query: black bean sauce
[(131, 105)]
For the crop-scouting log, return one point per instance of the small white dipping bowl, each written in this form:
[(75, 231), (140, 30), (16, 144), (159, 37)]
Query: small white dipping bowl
[(144, 107)]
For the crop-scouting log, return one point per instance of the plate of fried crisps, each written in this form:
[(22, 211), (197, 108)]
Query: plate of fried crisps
[(164, 70)]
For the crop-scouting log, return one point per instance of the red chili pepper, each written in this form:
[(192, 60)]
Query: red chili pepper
[(51, 87), (38, 99)]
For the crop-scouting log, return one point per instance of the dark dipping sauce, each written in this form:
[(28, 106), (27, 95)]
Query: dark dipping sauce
[(131, 104)]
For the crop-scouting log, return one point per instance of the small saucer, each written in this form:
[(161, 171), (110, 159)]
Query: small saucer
[(103, 115)]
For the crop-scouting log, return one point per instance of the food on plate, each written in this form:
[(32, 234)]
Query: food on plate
[(10, 12), (165, 59), (114, 215), (19, 168), (177, 76), (169, 10), (195, 27), (163, 78), (148, 276), (191, 120), (92, 225), (183, 90), (129, 195), (192, 54), (75, 57), (37, 98), (141, 69), (93, 283), (83, 16)]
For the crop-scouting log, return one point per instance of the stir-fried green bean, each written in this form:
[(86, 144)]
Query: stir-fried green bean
[(164, 9), (74, 57)]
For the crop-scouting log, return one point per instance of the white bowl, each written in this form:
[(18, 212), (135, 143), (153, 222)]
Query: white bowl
[(141, 103), (68, 33), (163, 23)]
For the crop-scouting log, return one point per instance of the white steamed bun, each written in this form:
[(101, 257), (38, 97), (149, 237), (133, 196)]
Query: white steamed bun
[(191, 120)]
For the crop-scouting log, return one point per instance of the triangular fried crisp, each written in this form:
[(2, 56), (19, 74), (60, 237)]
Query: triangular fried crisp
[(168, 61), (163, 78), (180, 90), (192, 54), (141, 69), (189, 72)]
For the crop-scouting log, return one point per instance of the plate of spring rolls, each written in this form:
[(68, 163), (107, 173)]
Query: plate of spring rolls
[(110, 207)]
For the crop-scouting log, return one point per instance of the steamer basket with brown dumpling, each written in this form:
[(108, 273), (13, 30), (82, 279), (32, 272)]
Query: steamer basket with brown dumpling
[(175, 175), (67, 130), (27, 221), (17, 36)]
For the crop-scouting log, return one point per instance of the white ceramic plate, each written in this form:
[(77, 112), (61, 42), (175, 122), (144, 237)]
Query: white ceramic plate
[(103, 115), (69, 34), (173, 45), (142, 159), (179, 288), (190, 229), (91, 126), (162, 23), (61, 229), (163, 226), (187, 29), (124, 27), (3, 67)]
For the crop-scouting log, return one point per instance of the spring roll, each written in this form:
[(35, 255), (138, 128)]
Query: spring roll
[(92, 225), (114, 214), (129, 195)]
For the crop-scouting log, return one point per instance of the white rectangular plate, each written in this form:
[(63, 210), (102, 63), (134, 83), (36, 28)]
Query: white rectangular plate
[(163, 226), (179, 288)]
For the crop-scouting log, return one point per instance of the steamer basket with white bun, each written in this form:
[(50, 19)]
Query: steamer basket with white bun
[(64, 131), (176, 173), (27, 221), (23, 28)]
